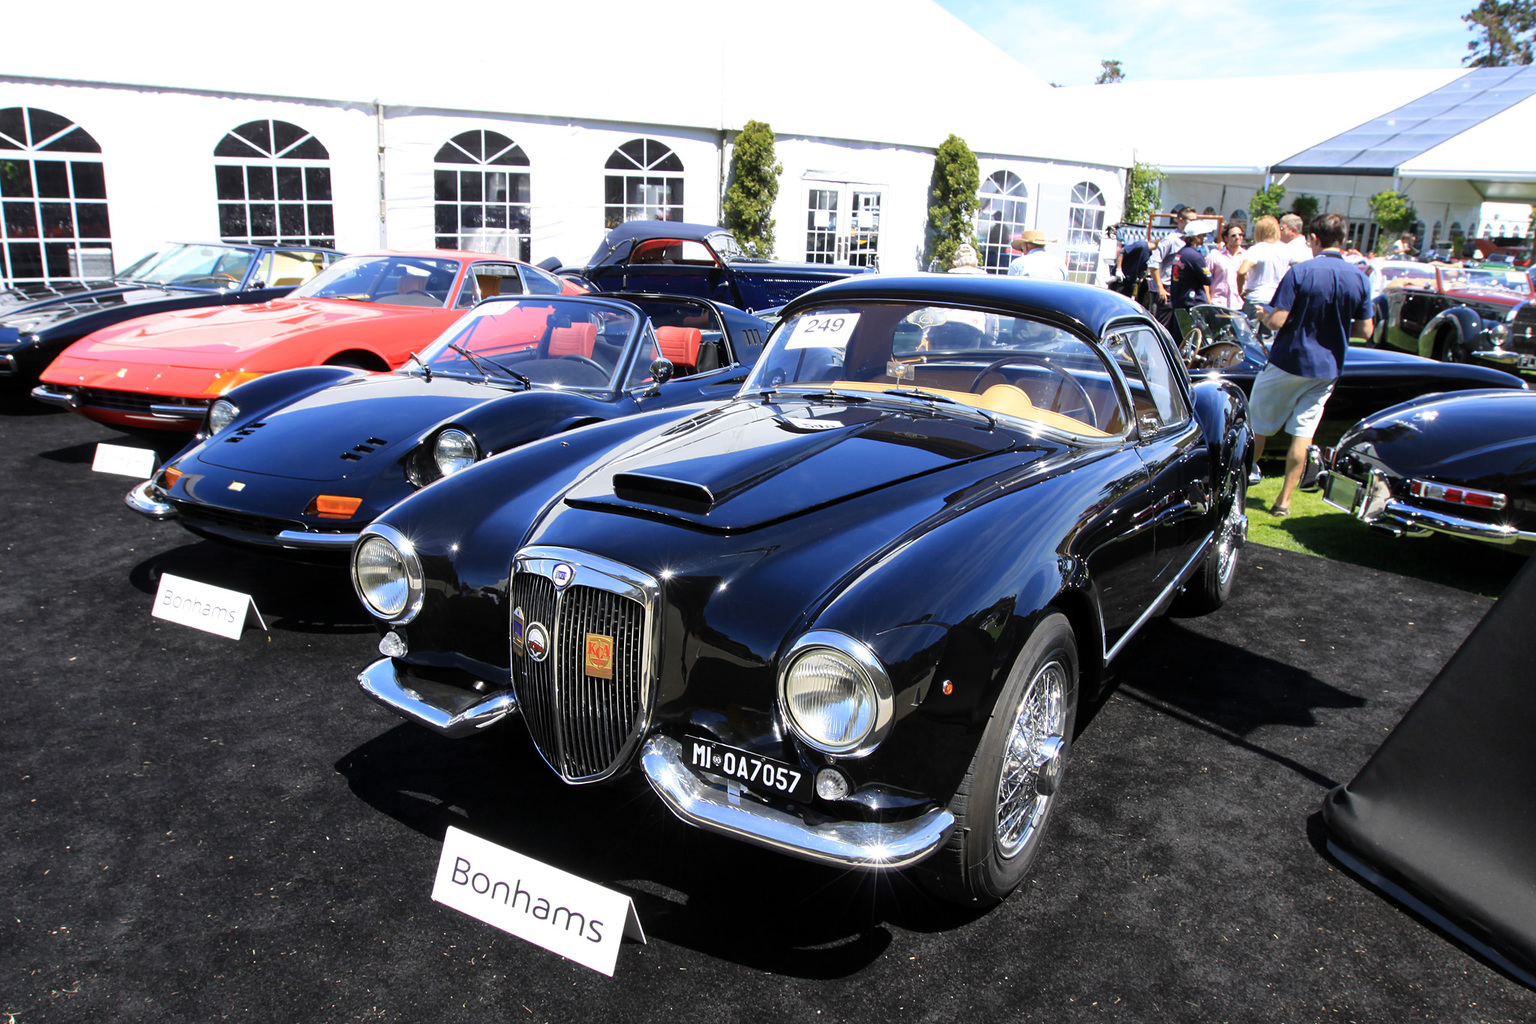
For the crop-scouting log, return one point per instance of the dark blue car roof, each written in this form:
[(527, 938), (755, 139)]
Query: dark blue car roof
[(642, 229), (1094, 308)]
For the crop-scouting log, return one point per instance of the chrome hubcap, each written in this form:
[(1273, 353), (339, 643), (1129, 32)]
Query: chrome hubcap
[(1033, 759), (1234, 531)]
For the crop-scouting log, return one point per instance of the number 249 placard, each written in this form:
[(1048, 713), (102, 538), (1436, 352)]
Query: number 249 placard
[(824, 330)]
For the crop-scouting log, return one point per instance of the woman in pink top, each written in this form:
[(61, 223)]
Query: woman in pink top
[(1223, 264)]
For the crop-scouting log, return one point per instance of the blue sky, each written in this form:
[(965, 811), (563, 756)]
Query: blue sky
[(1168, 39)]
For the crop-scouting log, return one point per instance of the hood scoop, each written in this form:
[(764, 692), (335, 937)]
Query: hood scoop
[(750, 464)]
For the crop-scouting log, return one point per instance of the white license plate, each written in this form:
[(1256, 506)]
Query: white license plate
[(1341, 492), (753, 771)]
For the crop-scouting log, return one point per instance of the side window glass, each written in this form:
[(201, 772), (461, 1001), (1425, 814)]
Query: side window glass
[(488, 280), (640, 373), (537, 282), (1154, 391)]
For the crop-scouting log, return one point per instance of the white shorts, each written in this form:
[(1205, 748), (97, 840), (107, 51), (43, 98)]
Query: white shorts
[(1284, 401)]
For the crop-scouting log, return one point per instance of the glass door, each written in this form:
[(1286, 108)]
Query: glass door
[(851, 241)]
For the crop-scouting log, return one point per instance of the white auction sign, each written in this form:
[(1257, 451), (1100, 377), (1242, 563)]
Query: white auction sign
[(138, 463), (204, 606), (578, 919)]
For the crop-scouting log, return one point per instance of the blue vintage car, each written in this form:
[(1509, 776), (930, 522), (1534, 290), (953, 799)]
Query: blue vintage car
[(299, 461), (696, 259), (851, 614)]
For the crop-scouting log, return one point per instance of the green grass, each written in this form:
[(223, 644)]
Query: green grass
[(1317, 528)]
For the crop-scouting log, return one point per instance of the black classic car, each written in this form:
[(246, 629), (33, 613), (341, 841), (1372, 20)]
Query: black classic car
[(695, 259), (1458, 314), (299, 461), (1461, 464), (851, 614), (180, 276), (1220, 342)]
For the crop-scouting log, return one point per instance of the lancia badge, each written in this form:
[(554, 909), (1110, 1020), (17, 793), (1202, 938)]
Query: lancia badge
[(563, 573), (538, 641)]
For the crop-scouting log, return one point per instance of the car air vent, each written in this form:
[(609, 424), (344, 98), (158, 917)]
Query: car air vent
[(368, 447), (245, 432), (660, 490)]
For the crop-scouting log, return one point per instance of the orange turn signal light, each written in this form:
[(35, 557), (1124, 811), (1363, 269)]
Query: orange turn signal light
[(169, 477), (229, 379), (333, 506)]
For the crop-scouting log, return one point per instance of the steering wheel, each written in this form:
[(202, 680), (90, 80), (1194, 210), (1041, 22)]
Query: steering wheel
[(1219, 354), (1077, 386), (599, 367)]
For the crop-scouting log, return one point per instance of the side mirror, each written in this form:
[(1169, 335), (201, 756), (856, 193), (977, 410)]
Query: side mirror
[(662, 370)]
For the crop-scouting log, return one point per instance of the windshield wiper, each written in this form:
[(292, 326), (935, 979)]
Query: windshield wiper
[(426, 371), (467, 354), (929, 396)]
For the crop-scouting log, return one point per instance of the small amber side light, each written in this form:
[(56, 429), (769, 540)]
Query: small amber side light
[(169, 477), (333, 506)]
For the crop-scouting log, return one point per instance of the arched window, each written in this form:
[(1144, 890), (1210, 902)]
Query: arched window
[(1001, 215), (274, 181), (1085, 232), (54, 193), (644, 182), (481, 188)]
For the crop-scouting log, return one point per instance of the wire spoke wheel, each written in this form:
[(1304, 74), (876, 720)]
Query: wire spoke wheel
[(1031, 766)]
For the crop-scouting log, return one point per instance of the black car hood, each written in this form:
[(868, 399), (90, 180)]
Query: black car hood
[(55, 309), (346, 428), (751, 463)]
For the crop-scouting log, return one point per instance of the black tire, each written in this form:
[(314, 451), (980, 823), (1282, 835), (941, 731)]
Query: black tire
[(1211, 584), (1448, 347), (1003, 804)]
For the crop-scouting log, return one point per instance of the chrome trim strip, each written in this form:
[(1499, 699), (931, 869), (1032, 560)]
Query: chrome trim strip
[(177, 412), (299, 539), (1167, 595), (145, 504), (860, 844), (48, 395), (385, 684)]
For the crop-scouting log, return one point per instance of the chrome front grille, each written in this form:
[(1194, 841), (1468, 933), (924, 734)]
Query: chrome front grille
[(591, 617)]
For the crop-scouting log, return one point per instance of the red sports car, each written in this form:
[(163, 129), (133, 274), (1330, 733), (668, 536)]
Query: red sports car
[(161, 372)]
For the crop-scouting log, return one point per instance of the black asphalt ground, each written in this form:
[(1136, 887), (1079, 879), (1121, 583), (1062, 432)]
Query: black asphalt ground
[(199, 829)]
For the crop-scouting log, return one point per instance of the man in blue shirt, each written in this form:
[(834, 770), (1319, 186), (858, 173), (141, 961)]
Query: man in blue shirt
[(1318, 306)]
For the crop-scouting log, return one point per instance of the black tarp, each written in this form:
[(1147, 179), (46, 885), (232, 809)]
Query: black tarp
[(1442, 818)]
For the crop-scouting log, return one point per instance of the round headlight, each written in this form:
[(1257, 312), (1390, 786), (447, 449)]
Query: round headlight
[(454, 450), (221, 415), (835, 694), (387, 574)]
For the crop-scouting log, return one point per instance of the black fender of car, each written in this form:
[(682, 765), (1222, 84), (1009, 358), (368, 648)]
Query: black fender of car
[(1222, 409), (1466, 323), (274, 389)]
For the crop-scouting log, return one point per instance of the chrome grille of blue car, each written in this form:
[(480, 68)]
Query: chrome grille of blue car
[(585, 726)]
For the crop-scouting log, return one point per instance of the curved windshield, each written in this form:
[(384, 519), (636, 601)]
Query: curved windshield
[(388, 280), (1010, 365), (553, 341), (192, 266), (1484, 280), (725, 245)]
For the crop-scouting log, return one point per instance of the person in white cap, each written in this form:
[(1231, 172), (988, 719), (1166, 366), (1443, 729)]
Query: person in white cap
[(1036, 262)]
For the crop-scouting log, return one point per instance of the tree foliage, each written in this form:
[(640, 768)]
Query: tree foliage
[(955, 193), (1143, 191), (1306, 207), (1506, 30), (754, 185), (1111, 72), (1267, 202), (1394, 211)]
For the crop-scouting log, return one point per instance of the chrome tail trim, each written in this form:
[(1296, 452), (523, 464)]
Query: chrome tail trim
[(859, 844), (448, 710)]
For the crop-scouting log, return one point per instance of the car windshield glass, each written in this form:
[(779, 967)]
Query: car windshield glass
[(388, 280), (1474, 279), (192, 266), (553, 341), (1014, 366), (1406, 275), (725, 246), (1214, 337)]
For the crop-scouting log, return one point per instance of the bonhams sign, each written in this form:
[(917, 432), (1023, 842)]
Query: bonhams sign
[(565, 914)]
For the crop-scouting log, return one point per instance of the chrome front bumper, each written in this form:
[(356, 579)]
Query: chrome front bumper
[(448, 710), (1372, 503), (451, 711), (301, 540), (860, 844), (145, 504), (50, 395)]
